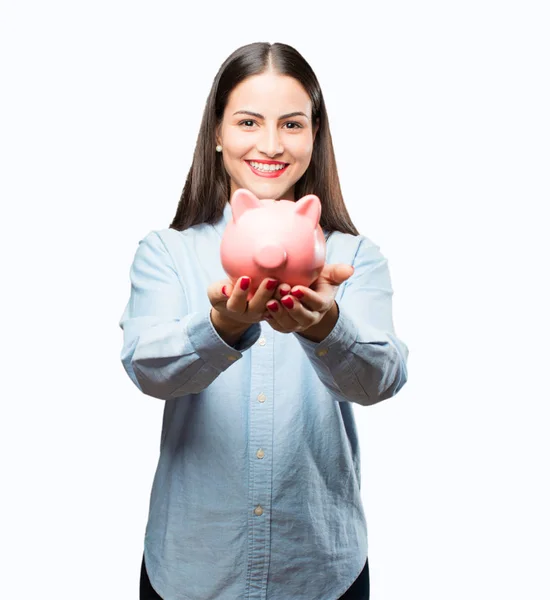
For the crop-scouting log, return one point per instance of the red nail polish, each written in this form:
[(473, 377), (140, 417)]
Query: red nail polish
[(273, 306), (245, 282), (224, 292), (298, 293), (288, 302), (271, 284), (284, 291)]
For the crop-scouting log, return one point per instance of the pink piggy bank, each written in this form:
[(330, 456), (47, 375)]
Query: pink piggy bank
[(281, 239)]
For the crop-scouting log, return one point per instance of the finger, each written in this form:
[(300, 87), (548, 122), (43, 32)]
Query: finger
[(226, 290), (218, 292), (263, 294), (296, 311), (266, 315), (274, 325), (335, 274), (290, 314), (238, 300), (282, 290), (280, 321), (342, 272), (312, 300)]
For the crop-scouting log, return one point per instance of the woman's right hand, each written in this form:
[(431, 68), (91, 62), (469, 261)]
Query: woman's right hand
[(230, 301)]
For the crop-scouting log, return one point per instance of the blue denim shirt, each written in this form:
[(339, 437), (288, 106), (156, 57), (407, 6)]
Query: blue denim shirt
[(256, 494)]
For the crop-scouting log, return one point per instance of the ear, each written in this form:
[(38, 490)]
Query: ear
[(242, 201), (310, 207)]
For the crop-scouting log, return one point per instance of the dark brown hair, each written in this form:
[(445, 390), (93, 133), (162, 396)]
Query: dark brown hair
[(207, 188)]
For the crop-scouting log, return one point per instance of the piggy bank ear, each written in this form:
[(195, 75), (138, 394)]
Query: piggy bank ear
[(242, 201), (309, 206)]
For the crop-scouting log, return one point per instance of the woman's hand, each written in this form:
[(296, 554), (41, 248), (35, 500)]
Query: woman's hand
[(303, 307), (230, 301)]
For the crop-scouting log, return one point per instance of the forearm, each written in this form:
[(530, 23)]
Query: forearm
[(171, 358), (169, 350), (358, 362), (361, 359)]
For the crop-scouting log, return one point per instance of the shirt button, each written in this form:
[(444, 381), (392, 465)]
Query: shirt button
[(262, 397), (261, 341), (231, 357), (260, 453), (258, 510), (322, 352)]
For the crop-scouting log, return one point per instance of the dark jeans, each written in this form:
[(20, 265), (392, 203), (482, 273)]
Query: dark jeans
[(359, 590)]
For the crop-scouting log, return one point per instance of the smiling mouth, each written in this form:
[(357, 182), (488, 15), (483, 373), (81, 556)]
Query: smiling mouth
[(266, 169)]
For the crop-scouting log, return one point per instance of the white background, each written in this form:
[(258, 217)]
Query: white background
[(439, 113)]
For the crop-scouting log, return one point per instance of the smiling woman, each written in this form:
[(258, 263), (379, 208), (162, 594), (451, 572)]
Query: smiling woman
[(269, 154), (265, 107), (257, 492)]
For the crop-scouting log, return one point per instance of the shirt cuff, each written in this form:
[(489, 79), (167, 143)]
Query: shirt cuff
[(340, 339), (208, 344)]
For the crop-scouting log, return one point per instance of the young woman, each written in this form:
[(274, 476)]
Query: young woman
[(257, 490)]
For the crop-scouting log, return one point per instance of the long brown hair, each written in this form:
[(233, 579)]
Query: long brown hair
[(207, 188)]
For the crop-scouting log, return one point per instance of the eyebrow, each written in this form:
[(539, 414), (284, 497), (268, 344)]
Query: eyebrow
[(255, 114)]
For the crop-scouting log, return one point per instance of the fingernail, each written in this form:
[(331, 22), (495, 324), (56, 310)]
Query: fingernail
[(271, 284), (273, 306), (298, 293), (285, 291), (245, 282), (224, 292), (288, 302)]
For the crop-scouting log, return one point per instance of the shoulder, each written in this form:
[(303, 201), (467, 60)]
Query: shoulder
[(191, 253), (348, 248), (171, 239), (155, 249)]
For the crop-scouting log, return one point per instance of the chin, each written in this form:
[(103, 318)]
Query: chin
[(271, 189)]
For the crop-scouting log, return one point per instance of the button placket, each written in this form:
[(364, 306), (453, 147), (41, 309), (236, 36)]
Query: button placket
[(261, 396), (260, 467)]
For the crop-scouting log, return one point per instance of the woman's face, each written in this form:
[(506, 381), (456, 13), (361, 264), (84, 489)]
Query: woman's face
[(267, 119)]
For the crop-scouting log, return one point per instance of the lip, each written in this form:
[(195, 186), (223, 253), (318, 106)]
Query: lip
[(267, 162), (273, 174)]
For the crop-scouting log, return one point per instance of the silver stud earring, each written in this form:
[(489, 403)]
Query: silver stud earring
[(218, 148)]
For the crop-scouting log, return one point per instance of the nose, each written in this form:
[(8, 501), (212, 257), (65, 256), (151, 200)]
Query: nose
[(270, 256), (269, 142)]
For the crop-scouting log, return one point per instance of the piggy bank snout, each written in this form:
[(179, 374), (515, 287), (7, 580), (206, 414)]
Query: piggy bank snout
[(270, 256)]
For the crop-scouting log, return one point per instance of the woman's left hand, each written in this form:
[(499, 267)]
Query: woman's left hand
[(300, 307)]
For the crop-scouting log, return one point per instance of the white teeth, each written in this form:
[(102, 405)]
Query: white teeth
[(263, 167)]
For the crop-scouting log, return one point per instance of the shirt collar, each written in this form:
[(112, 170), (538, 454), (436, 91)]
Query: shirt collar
[(227, 215)]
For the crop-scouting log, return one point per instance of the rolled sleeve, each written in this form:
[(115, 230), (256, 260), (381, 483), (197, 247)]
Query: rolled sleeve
[(167, 351), (362, 360)]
